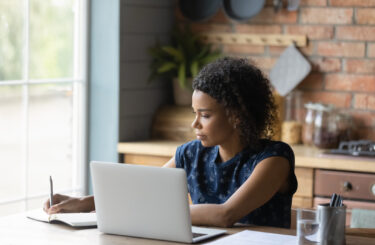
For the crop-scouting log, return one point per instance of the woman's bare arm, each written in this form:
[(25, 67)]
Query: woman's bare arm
[(170, 164)]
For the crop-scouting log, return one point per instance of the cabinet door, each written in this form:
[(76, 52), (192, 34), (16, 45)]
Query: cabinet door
[(303, 197), (148, 160)]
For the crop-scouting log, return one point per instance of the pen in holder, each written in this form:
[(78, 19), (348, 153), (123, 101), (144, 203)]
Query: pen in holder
[(332, 223)]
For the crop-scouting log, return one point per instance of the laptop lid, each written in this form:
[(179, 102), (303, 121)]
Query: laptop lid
[(143, 201)]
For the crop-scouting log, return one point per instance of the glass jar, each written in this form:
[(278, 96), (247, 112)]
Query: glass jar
[(326, 131), (345, 126), (292, 125), (308, 125)]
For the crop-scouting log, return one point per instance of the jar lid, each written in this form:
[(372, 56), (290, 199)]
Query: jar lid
[(319, 106)]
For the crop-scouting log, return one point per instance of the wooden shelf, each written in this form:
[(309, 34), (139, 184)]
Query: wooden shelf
[(255, 39)]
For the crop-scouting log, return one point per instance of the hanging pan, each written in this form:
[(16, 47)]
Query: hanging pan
[(242, 10), (199, 10)]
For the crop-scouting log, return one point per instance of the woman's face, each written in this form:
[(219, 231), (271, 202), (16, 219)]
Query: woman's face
[(211, 124)]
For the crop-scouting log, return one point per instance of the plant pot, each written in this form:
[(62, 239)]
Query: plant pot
[(182, 96)]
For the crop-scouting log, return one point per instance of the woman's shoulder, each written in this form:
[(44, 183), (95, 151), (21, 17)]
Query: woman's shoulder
[(275, 144), (276, 148)]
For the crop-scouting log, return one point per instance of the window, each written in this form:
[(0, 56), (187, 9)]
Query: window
[(42, 100)]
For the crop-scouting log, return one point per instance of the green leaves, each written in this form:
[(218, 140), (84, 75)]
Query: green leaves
[(175, 53), (167, 66), (183, 58)]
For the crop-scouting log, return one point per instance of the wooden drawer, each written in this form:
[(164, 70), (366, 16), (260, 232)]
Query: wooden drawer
[(349, 205), (349, 185)]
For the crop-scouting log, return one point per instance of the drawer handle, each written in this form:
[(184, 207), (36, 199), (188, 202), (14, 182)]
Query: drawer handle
[(373, 189), (347, 186)]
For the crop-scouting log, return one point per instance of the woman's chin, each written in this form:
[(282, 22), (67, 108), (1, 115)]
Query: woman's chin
[(205, 143)]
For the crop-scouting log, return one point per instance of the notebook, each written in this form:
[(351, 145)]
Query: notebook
[(143, 201), (72, 219)]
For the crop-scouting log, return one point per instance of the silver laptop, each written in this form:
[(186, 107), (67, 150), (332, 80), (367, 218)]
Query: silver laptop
[(142, 201)]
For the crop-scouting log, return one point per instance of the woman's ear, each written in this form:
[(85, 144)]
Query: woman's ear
[(234, 120)]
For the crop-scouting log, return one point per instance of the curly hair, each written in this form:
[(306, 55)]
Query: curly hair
[(245, 93)]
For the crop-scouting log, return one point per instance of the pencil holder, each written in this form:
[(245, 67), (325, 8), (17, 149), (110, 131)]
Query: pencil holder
[(332, 224)]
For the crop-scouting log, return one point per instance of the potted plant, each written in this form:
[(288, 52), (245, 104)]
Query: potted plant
[(180, 61)]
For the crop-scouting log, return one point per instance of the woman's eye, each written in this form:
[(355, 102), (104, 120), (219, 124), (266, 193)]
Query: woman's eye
[(205, 116)]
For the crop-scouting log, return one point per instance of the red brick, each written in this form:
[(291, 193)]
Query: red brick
[(339, 99), (353, 3), (371, 50), (264, 63), (209, 27), (313, 3), (243, 49), (220, 17), (362, 33), (268, 15), (312, 32), (326, 15), (341, 49), (326, 64), (342, 82), (277, 50), (265, 29), (314, 81), (302, 3), (363, 118), (365, 101), (365, 16), (360, 66), (366, 133)]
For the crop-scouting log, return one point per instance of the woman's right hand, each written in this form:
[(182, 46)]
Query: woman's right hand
[(68, 204)]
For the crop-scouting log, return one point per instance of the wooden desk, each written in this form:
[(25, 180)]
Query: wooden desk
[(17, 229)]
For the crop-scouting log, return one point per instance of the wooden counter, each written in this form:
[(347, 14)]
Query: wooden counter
[(307, 157)]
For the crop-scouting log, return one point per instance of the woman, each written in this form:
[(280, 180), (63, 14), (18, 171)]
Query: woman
[(234, 173)]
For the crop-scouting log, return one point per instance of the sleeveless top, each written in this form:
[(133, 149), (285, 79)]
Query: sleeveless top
[(212, 182)]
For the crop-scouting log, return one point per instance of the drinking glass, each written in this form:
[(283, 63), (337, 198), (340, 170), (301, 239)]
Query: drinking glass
[(307, 226)]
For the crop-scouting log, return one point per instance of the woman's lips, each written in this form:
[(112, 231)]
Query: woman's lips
[(200, 136)]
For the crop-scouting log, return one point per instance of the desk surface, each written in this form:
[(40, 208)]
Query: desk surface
[(17, 229)]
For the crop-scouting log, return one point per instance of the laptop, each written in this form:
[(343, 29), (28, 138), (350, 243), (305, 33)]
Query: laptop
[(144, 201)]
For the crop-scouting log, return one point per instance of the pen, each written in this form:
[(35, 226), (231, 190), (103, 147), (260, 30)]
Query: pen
[(50, 191), (333, 200)]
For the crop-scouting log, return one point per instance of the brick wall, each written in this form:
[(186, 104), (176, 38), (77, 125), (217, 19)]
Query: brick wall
[(341, 49)]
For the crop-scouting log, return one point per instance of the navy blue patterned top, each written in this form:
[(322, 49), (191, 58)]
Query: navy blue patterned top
[(212, 182)]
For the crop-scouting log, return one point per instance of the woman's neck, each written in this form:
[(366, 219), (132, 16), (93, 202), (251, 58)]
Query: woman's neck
[(228, 150)]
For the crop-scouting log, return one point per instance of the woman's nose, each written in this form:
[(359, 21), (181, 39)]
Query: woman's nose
[(195, 123)]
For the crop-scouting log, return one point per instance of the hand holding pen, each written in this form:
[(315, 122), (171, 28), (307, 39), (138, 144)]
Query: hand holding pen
[(50, 191), (59, 203)]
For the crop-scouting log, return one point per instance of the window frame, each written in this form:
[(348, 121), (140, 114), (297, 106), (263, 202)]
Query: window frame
[(79, 82)]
